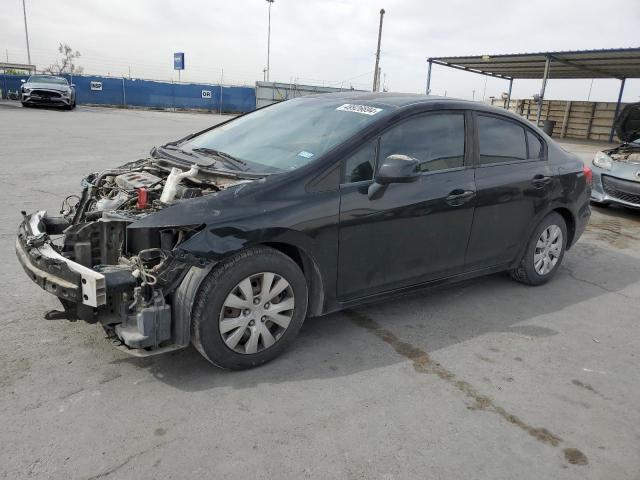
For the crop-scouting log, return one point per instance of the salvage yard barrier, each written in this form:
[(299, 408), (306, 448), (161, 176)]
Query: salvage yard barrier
[(274, 92), (120, 91), (585, 120)]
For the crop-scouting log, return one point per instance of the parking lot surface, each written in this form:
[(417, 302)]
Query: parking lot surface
[(488, 379)]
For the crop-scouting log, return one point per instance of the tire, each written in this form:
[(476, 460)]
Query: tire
[(527, 272), (224, 286), (25, 105)]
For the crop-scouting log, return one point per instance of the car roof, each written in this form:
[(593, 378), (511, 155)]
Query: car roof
[(394, 99), (403, 100)]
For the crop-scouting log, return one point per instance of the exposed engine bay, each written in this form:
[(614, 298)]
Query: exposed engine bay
[(102, 271), (627, 153)]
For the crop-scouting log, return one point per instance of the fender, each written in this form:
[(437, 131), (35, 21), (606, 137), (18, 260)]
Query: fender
[(217, 243)]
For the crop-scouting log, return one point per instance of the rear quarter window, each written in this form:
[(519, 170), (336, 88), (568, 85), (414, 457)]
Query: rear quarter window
[(535, 146)]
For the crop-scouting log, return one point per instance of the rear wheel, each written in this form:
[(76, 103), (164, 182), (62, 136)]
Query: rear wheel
[(249, 309), (544, 252)]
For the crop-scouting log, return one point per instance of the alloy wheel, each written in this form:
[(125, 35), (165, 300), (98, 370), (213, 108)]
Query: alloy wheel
[(256, 313)]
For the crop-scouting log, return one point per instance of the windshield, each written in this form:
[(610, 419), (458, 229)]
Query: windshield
[(290, 134), (47, 79)]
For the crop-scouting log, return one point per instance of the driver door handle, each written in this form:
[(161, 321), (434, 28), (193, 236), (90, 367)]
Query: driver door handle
[(459, 197)]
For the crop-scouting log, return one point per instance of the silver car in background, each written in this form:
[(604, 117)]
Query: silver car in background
[(616, 171), (50, 90)]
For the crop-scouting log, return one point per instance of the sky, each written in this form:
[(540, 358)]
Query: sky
[(324, 42)]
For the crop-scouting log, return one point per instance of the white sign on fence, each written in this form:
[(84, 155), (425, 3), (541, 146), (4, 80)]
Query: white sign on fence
[(96, 86), (206, 93)]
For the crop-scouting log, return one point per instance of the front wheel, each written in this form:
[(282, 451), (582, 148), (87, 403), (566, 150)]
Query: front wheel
[(249, 309), (544, 253)]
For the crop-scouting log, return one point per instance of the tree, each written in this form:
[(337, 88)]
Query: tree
[(14, 71), (67, 63)]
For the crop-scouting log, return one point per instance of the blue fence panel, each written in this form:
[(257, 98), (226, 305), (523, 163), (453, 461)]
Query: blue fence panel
[(11, 83), (111, 92), (193, 95), (238, 99), (97, 90)]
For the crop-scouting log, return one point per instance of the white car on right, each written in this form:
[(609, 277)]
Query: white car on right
[(616, 171)]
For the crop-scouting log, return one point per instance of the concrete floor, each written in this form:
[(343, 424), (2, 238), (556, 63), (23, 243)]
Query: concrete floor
[(488, 379)]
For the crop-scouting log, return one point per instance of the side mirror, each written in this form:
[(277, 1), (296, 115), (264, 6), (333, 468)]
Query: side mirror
[(22, 80), (398, 169), (395, 169)]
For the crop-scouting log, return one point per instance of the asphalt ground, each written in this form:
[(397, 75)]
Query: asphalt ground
[(489, 379)]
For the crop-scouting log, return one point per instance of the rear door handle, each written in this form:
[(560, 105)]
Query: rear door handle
[(540, 180), (459, 197)]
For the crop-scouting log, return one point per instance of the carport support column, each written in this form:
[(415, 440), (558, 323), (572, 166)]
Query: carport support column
[(509, 94), (547, 63), (429, 76), (615, 115)]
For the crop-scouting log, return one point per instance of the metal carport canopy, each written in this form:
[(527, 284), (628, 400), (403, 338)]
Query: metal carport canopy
[(620, 63)]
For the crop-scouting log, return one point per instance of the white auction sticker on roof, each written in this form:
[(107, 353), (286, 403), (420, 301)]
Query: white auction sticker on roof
[(363, 109)]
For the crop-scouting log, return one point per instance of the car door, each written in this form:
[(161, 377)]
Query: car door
[(412, 232), (513, 181)]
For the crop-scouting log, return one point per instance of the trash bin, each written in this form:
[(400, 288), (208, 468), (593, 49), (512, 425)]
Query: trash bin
[(548, 127)]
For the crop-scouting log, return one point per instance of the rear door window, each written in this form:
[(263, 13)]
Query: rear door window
[(500, 141)]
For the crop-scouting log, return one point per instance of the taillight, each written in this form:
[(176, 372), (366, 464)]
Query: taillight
[(588, 175)]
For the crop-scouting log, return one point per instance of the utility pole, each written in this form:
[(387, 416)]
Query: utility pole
[(376, 71), (269, 39), (26, 32)]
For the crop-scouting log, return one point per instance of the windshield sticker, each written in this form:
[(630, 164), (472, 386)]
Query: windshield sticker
[(305, 154), (363, 109)]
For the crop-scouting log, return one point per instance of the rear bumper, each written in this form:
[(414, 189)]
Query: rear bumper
[(582, 220), (54, 273)]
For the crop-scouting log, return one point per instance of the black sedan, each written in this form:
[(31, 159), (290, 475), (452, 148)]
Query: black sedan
[(48, 90), (229, 238)]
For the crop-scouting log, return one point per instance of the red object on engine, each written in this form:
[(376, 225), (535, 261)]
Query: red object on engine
[(143, 198)]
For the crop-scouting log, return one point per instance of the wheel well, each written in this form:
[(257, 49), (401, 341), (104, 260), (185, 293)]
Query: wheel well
[(311, 273), (570, 222)]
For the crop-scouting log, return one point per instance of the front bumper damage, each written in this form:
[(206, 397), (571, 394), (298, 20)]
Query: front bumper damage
[(141, 319), (56, 274)]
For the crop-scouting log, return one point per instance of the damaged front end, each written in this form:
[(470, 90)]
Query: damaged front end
[(134, 281)]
